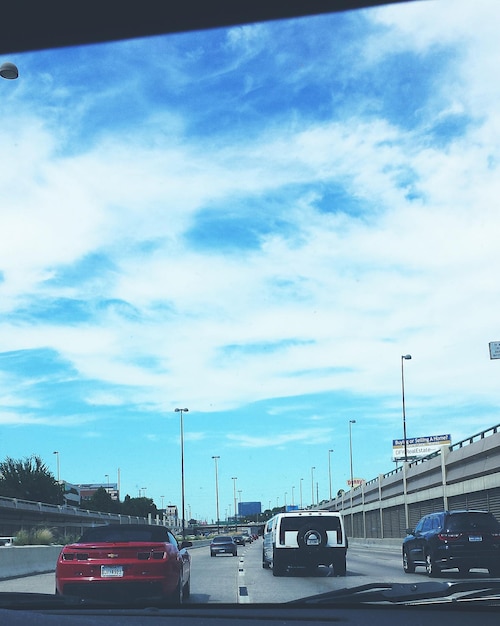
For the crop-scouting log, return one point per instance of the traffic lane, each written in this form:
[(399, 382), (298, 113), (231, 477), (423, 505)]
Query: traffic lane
[(365, 565), (262, 587), (36, 583), (368, 560), (214, 579), (243, 579)]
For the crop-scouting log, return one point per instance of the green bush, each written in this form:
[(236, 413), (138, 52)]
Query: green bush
[(22, 538), (42, 537), (34, 537)]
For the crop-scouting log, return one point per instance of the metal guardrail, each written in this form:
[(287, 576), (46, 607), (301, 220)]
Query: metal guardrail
[(485, 433), (67, 512)]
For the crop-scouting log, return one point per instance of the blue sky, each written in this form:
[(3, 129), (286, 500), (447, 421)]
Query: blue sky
[(254, 223)]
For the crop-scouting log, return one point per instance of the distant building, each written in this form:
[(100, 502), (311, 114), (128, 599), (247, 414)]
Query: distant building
[(72, 495), (87, 490), (246, 509), (171, 516)]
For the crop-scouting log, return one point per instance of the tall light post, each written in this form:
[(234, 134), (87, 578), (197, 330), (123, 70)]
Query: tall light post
[(106, 476), (216, 458), (182, 411), (330, 472), (351, 422), (404, 357), (293, 497), (312, 485), (234, 479), (300, 488), (57, 464), (286, 493)]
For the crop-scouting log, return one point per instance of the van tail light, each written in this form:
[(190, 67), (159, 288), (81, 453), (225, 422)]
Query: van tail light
[(449, 536)]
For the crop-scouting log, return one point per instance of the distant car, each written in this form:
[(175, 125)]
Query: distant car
[(239, 540), (248, 538), (223, 545), (449, 539), (123, 561)]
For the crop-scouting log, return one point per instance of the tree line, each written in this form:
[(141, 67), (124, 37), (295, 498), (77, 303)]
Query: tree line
[(31, 479)]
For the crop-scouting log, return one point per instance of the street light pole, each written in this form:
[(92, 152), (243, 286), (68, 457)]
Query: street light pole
[(234, 479), (350, 451), (58, 469), (182, 411), (312, 485), (351, 422), (216, 458), (330, 472), (404, 357), (300, 487)]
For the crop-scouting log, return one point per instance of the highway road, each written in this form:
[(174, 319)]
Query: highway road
[(242, 579)]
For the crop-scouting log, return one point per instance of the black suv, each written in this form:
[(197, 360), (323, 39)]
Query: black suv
[(461, 539)]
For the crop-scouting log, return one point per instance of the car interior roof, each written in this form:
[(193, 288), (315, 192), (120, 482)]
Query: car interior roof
[(27, 25)]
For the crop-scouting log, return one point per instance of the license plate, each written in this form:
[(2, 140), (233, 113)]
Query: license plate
[(475, 538), (111, 571)]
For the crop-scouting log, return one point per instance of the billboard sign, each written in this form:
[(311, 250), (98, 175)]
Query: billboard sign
[(418, 447), (356, 482)]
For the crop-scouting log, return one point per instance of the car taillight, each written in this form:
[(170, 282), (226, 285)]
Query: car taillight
[(495, 535), (449, 536), (72, 556), (157, 555)]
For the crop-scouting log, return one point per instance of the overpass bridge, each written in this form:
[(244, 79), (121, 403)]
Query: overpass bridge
[(466, 475)]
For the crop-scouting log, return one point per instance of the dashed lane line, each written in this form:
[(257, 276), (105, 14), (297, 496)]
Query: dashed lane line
[(243, 597)]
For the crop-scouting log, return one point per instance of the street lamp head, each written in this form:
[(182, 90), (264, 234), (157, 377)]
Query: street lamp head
[(9, 71), (182, 410), (352, 421), (407, 357)]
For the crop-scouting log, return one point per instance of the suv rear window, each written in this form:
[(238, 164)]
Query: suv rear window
[(471, 521)]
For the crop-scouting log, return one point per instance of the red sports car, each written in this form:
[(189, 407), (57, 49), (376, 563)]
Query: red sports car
[(125, 561)]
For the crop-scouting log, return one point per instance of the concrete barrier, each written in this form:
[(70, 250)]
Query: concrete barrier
[(23, 560), (26, 560)]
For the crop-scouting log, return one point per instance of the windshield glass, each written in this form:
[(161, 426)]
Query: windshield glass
[(251, 270)]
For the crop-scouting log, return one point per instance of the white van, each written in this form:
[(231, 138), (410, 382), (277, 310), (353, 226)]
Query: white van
[(305, 539)]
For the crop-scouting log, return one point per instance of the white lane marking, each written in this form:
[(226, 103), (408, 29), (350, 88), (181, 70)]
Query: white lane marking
[(243, 597)]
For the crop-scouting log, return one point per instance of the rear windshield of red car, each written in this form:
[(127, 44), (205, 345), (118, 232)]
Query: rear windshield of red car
[(125, 534)]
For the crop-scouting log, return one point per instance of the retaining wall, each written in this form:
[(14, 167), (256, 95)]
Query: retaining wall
[(22, 560)]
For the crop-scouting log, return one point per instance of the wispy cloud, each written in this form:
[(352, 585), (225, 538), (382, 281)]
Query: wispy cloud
[(311, 436), (257, 224)]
